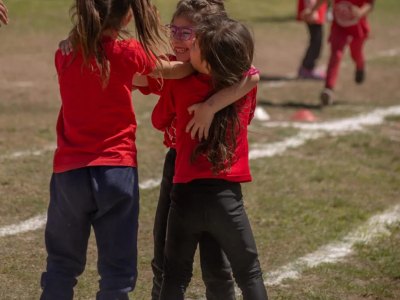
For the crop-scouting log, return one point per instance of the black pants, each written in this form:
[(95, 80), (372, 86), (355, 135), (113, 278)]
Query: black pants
[(314, 48), (106, 198), (215, 267), (214, 207)]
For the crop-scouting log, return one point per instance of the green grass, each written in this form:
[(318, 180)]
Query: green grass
[(372, 272), (297, 202)]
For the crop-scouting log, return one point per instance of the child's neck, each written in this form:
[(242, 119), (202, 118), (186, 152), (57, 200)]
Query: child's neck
[(110, 32)]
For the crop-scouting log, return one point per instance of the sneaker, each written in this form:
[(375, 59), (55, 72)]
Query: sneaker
[(311, 74), (360, 76), (326, 96)]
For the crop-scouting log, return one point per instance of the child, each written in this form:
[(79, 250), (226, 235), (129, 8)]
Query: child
[(350, 26), (215, 268), (307, 69), (206, 196), (95, 180)]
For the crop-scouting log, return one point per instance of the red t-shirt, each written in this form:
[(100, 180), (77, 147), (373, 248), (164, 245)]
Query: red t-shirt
[(175, 99), (320, 14), (343, 17), (97, 126), (155, 86)]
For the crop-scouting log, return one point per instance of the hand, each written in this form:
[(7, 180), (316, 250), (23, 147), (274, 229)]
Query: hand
[(3, 13), (201, 121), (357, 12), (66, 47), (309, 16)]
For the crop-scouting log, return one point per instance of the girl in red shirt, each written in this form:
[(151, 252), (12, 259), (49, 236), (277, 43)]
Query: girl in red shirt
[(349, 26), (215, 267), (206, 196), (314, 25), (95, 180)]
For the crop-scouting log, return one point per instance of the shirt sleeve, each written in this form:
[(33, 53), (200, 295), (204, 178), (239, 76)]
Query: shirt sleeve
[(253, 103), (57, 60), (145, 64), (164, 111), (155, 86)]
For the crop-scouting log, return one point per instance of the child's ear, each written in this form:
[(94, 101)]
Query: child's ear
[(128, 18), (208, 68)]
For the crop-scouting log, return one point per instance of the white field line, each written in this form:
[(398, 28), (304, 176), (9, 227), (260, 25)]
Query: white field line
[(28, 225), (149, 184), (332, 253), (18, 154), (312, 131), (375, 117)]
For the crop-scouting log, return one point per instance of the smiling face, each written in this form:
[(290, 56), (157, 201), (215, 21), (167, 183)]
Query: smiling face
[(182, 48)]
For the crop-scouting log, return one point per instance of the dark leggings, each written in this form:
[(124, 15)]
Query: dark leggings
[(215, 267), (314, 48), (214, 207)]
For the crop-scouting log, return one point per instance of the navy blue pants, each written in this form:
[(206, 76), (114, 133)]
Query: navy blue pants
[(106, 198), (215, 267)]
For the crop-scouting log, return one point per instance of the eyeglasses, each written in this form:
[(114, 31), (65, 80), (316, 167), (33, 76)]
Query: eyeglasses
[(179, 33)]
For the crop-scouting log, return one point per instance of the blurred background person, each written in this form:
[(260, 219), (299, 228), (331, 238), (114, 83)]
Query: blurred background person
[(315, 27)]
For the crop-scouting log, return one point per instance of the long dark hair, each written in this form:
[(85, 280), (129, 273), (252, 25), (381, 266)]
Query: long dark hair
[(195, 10), (228, 47), (92, 17)]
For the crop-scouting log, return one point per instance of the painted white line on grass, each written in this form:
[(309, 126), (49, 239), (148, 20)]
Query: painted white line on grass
[(375, 117), (332, 253), (149, 184), (28, 225), (312, 131), (18, 154), (272, 149)]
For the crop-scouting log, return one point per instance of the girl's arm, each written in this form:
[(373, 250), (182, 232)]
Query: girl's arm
[(140, 80), (3, 13), (172, 69), (307, 14), (164, 111), (363, 11), (204, 112)]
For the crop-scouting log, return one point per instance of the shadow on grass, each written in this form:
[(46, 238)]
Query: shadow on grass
[(277, 78), (297, 104), (289, 104)]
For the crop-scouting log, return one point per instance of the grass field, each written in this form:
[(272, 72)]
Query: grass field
[(300, 200)]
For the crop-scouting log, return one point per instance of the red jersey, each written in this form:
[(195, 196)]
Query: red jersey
[(155, 86), (97, 126), (177, 96), (343, 17), (320, 15)]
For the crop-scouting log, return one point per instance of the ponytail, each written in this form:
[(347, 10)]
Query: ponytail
[(85, 35), (92, 17), (148, 27)]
